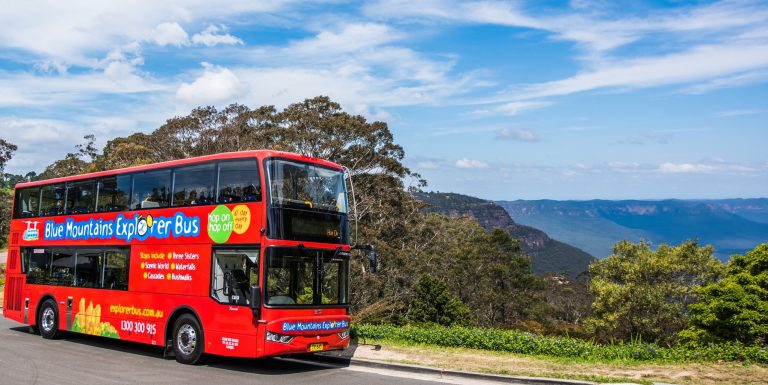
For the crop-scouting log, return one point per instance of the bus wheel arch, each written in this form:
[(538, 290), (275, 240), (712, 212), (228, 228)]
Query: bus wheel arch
[(36, 318), (184, 333), (47, 317)]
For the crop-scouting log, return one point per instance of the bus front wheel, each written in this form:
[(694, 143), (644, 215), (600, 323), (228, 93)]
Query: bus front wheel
[(188, 340), (48, 320)]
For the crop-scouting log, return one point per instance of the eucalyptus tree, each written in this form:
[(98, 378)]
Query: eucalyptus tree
[(736, 307), (645, 293)]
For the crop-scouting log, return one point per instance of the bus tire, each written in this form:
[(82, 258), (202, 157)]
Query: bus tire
[(48, 320), (188, 340)]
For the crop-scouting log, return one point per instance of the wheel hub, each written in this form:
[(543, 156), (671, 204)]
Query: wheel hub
[(186, 339), (48, 319)]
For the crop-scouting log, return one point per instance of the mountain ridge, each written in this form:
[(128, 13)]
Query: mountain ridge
[(547, 255), (732, 226)]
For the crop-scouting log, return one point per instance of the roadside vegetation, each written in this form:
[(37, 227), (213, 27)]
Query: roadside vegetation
[(471, 287), (515, 341), (2, 284)]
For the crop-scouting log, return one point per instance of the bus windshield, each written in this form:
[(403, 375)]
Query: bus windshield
[(308, 186), (298, 276)]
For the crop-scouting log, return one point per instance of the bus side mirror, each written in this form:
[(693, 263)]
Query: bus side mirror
[(229, 284), (372, 256), (255, 299)]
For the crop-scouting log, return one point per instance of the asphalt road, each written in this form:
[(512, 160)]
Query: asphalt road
[(78, 359)]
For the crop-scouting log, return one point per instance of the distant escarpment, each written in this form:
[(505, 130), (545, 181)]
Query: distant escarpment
[(731, 226), (547, 255)]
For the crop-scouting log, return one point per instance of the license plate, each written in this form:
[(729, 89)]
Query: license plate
[(315, 347)]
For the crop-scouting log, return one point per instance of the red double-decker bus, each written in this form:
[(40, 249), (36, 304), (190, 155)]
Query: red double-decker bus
[(237, 254)]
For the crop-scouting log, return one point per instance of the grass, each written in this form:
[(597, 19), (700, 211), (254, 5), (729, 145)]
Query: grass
[(515, 341), (2, 284), (476, 360)]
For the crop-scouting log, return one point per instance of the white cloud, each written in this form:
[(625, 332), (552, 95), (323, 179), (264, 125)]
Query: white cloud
[(729, 81), (385, 77), (29, 132), (517, 135), (214, 35), (486, 12), (594, 31), (170, 34), (357, 64), (514, 108), (710, 166), (281, 86), (686, 168), (42, 141), (74, 32), (471, 164), (349, 38), (215, 85), (38, 140), (624, 167), (728, 39), (427, 165), (697, 64), (51, 67), (70, 90), (730, 113)]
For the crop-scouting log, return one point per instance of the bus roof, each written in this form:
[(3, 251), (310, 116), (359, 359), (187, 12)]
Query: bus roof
[(180, 162)]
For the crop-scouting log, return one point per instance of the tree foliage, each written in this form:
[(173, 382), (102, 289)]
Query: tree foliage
[(487, 270), (124, 152), (432, 302), (569, 302), (736, 307), (646, 294), (10, 180), (6, 153)]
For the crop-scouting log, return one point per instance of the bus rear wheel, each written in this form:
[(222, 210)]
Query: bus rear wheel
[(48, 320), (188, 340)]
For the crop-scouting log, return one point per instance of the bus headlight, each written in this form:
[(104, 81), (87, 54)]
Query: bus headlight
[(343, 334), (281, 338)]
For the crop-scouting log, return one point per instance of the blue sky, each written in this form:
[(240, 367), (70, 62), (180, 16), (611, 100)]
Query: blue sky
[(498, 99)]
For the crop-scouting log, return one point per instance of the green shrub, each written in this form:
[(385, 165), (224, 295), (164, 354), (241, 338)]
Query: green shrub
[(736, 307), (432, 302)]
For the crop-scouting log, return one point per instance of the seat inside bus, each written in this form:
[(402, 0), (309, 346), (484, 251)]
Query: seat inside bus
[(280, 300)]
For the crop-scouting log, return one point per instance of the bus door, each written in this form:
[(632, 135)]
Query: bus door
[(15, 304)]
